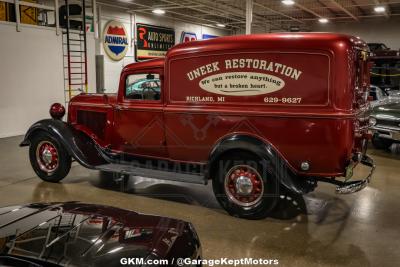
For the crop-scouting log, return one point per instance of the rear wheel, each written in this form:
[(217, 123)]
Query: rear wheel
[(48, 158), (243, 187), (381, 143)]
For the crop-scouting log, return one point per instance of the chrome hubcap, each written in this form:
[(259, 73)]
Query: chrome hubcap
[(244, 185), (47, 156)]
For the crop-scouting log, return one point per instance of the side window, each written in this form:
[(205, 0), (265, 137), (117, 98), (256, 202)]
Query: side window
[(146, 86)]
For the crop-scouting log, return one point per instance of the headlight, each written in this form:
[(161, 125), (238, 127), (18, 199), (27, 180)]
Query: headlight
[(372, 121)]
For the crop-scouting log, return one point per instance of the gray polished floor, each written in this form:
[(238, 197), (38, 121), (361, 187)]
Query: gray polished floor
[(319, 229)]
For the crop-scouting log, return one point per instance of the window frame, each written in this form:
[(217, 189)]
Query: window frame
[(143, 72)]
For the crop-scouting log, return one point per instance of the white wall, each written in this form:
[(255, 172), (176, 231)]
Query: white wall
[(31, 76), (382, 31)]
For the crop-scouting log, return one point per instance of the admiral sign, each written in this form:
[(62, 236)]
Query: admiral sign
[(115, 40), (153, 41)]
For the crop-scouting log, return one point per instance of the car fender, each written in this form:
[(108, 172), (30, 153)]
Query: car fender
[(275, 161), (79, 146)]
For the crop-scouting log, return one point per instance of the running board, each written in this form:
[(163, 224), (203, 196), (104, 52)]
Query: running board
[(151, 173)]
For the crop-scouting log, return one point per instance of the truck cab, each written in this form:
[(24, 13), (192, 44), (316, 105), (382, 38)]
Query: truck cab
[(253, 114)]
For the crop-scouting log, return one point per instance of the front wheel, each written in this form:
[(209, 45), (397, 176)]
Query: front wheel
[(244, 187), (49, 159)]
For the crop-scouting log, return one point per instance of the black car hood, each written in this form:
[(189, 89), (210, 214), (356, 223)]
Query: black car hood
[(77, 234)]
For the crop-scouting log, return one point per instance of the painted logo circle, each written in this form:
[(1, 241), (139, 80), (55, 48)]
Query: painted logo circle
[(241, 83), (115, 40)]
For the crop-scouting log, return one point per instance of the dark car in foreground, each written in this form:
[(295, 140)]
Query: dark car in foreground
[(77, 234), (385, 124)]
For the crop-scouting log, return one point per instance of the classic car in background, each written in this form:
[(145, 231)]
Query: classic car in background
[(381, 50), (147, 88), (78, 234), (381, 96), (385, 123)]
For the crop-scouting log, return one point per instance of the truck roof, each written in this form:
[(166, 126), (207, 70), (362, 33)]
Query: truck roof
[(152, 63), (314, 40)]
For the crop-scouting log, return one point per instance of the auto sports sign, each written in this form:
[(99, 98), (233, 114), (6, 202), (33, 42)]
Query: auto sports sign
[(153, 41), (115, 40)]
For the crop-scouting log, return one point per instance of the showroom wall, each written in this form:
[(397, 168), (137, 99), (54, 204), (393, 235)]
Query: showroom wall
[(30, 80), (385, 31)]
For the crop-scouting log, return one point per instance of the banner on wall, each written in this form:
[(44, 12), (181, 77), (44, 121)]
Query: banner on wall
[(3, 11), (208, 36), (153, 41), (188, 37), (115, 40), (89, 24), (28, 15)]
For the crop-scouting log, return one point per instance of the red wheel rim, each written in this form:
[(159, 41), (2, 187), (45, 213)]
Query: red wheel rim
[(244, 185), (47, 156)]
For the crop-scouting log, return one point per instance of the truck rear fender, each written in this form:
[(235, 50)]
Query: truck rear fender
[(275, 162), (79, 146)]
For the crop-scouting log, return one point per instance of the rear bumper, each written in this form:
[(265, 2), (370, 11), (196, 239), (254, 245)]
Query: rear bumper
[(349, 187), (387, 132)]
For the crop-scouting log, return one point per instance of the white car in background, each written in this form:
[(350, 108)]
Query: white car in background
[(382, 96)]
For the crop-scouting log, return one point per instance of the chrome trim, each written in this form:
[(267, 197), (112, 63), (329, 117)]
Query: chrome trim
[(386, 117), (393, 133), (355, 186), (385, 128)]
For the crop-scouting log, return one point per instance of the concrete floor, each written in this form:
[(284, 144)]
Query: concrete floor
[(320, 229)]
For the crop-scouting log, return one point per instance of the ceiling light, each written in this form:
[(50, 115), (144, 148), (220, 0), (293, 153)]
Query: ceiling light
[(323, 20), (379, 9), (221, 25), (158, 11), (288, 2)]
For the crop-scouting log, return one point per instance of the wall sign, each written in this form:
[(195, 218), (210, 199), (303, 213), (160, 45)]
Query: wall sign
[(153, 41), (115, 40), (208, 36), (188, 37)]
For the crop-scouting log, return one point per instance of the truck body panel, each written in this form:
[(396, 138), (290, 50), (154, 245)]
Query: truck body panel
[(302, 93)]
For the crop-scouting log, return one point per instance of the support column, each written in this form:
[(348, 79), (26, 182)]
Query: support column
[(249, 15), (95, 20)]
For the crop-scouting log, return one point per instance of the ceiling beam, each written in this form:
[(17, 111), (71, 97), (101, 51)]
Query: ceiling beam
[(229, 10), (167, 7), (206, 22), (278, 12), (308, 10), (345, 10)]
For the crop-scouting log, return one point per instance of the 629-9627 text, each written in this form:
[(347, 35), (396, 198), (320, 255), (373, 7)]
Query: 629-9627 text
[(283, 100)]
